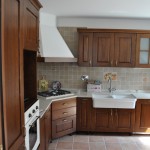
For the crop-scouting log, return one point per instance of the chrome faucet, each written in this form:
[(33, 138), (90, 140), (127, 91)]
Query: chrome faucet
[(110, 89)]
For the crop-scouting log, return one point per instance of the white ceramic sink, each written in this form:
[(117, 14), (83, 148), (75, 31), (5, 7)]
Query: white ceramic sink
[(126, 101)]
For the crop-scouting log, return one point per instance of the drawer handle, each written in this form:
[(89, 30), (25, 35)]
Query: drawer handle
[(64, 120), (65, 113), (64, 103)]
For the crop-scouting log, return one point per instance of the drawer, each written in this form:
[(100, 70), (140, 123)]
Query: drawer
[(63, 126), (57, 114), (64, 104)]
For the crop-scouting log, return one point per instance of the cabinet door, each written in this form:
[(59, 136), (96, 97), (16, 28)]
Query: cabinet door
[(124, 120), (31, 25), (102, 120), (142, 120), (143, 50), (12, 73), (85, 49), (103, 49), (42, 134), (63, 126), (84, 106), (125, 45)]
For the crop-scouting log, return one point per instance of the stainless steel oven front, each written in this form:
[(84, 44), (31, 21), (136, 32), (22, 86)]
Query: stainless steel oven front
[(32, 139)]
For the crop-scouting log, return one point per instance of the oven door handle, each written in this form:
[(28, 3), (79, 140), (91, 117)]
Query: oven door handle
[(32, 125)]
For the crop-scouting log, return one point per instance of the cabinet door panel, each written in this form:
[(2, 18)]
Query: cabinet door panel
[(84, 114), (142, 116), (103, 120), (125, 45), (63, 126), (31, 27), (12, 73), (103, 49), (85, 49), (124, 120)]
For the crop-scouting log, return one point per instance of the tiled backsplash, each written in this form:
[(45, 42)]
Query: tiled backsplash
[(69, 74)]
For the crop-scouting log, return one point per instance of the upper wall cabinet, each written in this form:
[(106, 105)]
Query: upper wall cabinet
[(106, 48), (31, 25), (143, 50)]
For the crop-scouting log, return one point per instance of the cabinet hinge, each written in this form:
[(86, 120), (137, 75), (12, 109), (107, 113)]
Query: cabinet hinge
[(1, 147)]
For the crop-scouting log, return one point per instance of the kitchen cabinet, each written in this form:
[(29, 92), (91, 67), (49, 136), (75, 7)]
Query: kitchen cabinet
[(142, 121), (107, 48), (63, 117), (84, 112), (85, 49), (12, 87), (31, 25), (45, 130), (113, 120), (143, 50)]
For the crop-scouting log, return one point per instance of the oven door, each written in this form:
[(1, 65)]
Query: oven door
[(32, 139)]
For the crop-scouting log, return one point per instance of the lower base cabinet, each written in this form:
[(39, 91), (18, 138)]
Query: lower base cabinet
[(45, 130), (142, 117), (63, 126)]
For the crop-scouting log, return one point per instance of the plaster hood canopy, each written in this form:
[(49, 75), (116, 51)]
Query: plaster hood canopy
[(52, 46), (98, 8)]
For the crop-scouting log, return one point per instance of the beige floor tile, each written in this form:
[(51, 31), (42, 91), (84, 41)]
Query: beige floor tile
[(64, 145), (52, 146), (125, 139), (96, 138), (129, 146), (80, 146), (67, 138), (97, 146), (81, 138), (113, 146), (111, 139)]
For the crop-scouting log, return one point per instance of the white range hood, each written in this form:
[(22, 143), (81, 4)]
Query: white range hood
[(52, 46)]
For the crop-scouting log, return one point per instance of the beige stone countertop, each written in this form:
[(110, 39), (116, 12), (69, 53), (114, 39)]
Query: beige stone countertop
[(45, 103)]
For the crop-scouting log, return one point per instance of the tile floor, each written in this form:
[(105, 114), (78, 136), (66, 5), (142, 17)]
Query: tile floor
[(101, 142)]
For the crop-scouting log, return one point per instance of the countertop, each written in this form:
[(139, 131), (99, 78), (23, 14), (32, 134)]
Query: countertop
[(44, 104)]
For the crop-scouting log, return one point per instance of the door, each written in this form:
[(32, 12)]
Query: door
[(103, 120), (85, 49), (103, 49), (84, 106), (125, 44), (124, 120), (142, 121), (31, 25), (143, 50), (12, 73)]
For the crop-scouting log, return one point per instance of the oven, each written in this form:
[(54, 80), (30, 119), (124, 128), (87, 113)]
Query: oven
[(32, 124)]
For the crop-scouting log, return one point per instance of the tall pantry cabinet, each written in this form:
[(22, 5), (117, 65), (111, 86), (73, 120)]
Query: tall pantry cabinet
[(12, 96)]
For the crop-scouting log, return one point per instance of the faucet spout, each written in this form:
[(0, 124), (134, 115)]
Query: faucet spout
[(110, 89)]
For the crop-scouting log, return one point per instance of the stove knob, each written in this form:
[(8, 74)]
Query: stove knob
[(33, 111), (29, 115), (37, 107)]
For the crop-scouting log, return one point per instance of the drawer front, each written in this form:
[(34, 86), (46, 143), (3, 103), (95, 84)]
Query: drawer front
[(57, 114), (63, 126), (64, 104)]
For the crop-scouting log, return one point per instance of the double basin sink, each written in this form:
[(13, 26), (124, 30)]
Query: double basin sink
[(126, 101)]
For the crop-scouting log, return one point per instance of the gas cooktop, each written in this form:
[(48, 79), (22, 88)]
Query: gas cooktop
[(55, 94)]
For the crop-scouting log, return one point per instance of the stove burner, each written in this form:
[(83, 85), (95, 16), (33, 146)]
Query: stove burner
[(53, 93)]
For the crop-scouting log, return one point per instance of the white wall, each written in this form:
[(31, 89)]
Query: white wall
[(114, 23)]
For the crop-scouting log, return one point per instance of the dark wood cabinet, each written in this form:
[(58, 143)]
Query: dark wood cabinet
[(113, 120), (31, 24), (143, 50), (45, 130), (125, 49), (63, 117), (84, 108), (142, 121), (107, 48), (85, 49)]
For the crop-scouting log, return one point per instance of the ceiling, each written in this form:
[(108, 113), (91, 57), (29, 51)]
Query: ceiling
[(98, 8)]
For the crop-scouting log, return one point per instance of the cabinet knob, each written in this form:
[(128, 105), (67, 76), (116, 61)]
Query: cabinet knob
[(90, 62), (65, 113), (116, 63), (64, 103), (64, 120)]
